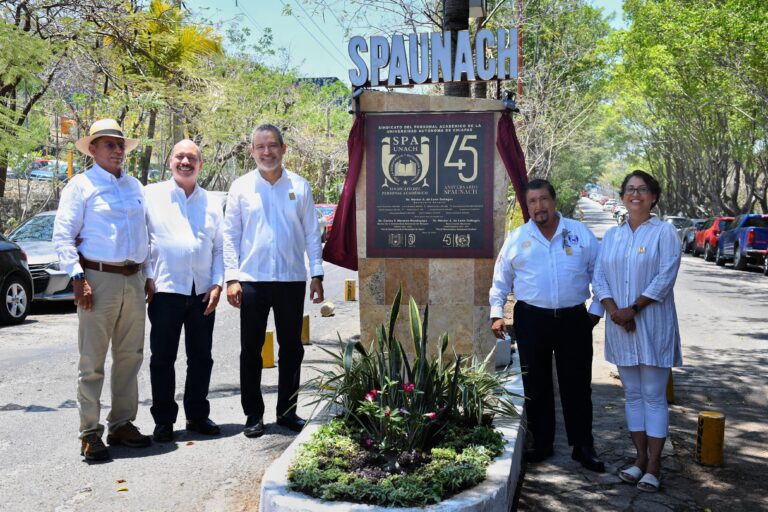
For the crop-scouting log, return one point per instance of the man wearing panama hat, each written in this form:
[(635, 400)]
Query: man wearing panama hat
[(101, 238)]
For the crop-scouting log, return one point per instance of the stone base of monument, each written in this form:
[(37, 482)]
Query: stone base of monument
[(495, 493)]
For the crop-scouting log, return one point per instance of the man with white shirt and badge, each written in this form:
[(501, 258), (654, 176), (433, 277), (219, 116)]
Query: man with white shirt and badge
[(184, 224), (100, 236), (270, 224), (548, 263)]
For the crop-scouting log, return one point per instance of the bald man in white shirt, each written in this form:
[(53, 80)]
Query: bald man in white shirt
[(100, 236), (185, 234), (548, 263), (270, 224)]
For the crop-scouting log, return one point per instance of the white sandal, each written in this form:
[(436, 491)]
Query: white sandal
[(630, 474), (649, 483)]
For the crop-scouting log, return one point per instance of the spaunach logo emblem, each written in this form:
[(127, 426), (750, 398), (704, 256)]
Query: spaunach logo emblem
[(405, 160)]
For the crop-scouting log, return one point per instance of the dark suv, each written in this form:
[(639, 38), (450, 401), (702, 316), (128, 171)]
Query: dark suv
[(15, 283)]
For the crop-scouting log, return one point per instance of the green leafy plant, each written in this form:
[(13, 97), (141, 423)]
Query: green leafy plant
[(401, 406), (335, 465)]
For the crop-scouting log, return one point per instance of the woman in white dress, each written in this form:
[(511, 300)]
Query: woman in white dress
[(633, 279)]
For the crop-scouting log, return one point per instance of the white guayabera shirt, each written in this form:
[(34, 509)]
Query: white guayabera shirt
[(643, 262), (545, 273), (268, 228), (185, 235), (107, 215)]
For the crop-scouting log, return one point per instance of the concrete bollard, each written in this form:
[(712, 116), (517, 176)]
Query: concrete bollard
[(305, 330), (327, 308), (268, 350), (670, 388), (349, 290), (710, 437)]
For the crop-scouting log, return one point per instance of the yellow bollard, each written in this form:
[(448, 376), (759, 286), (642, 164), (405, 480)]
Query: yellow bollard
[(349, 290), (268, 350), (305, 330), (670, 389), (710, 438)]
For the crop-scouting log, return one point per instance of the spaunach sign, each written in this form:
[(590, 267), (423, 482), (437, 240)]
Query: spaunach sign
[(427, 58)]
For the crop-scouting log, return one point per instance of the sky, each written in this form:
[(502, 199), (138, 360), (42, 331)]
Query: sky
[(317, 46)]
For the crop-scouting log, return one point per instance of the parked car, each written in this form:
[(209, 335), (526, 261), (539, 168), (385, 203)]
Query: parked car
[(706, 239), (765, 263), (743, 241), (35, 236), (676, 221), (329, 212), (688, 233), (15, 283), (52, 170), (609, 205), (323, 225)]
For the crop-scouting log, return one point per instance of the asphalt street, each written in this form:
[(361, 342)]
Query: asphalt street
[(40, 464), (723, 324), (722, 316)]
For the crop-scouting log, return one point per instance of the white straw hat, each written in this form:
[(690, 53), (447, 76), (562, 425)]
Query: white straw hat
[(105, 128)]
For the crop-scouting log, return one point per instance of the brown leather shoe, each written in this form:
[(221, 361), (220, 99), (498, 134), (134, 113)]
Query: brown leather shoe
[(92, 448), (128, 435)]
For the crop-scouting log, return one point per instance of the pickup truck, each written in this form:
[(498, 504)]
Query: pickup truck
[(743, 241)]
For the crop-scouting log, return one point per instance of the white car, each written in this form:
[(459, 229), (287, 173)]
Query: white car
[(34, 236)]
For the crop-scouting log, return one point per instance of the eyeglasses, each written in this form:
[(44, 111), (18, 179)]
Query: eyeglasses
[(113, 145), (636, 190), (192, 159)]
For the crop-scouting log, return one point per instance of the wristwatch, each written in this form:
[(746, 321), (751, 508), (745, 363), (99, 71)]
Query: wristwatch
[(320, 277), (79, 276), (635, 308)]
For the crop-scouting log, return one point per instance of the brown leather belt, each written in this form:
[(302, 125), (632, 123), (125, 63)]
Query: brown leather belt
[(126, 270)]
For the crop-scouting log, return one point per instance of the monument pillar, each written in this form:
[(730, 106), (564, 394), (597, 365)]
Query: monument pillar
[(430, 212)]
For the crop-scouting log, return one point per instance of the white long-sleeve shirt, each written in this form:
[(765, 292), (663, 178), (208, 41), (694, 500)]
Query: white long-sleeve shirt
[(545, 273), (643, 262), (185, 238), (268, 228), (107, 213)]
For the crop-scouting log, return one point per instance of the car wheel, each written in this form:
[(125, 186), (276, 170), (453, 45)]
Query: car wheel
[(719, 260), (708, 254), (15, 296), (739, 261), (695, 250)]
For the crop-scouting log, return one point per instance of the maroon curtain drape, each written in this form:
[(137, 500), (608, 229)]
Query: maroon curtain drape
[(512, 155), (341, 247)]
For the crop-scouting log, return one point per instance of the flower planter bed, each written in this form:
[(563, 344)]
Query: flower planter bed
[(495, 493)]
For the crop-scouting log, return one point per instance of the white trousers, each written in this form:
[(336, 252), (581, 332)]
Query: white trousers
[(645, 391)]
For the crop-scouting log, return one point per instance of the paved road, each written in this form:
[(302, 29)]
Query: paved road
[(722, 314), (39, 451)]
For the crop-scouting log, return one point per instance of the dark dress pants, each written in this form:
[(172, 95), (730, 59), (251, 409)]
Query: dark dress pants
[(168, 312), (286, 299), (569, 337)]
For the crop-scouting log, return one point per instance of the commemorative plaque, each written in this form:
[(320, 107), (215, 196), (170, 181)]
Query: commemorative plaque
[(429, 185)]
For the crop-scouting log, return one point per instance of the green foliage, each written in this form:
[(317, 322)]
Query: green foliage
[(335, 465), (402, 407)]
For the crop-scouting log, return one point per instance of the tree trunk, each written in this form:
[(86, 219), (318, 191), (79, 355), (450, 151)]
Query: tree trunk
[(3, 172), (147, 156), (456, 18)]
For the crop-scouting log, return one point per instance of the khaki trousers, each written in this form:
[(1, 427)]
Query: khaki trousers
[(118, 314)]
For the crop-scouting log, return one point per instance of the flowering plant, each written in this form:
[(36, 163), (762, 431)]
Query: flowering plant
[(399, 406)]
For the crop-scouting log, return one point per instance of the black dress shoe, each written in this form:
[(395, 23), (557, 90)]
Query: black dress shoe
[(538, 454), (163, 433), (291, 421), (254, 426), (206, 426), (588, 458)]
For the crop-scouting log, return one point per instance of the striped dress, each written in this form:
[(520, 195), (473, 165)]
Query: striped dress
[(643, 262)]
